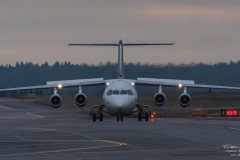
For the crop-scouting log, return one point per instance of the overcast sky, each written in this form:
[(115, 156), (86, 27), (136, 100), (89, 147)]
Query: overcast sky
[(38, 31)]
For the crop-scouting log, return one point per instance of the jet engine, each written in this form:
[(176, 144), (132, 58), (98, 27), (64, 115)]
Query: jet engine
[(159, 99), (55, 101), (184, 100), (80, 99)]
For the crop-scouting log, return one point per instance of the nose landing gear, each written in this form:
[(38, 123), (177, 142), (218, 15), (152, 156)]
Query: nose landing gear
[(120, 115)]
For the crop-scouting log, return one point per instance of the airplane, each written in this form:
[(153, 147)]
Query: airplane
[(120, 95)]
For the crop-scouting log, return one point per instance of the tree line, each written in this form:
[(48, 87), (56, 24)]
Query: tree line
[(28, 74)]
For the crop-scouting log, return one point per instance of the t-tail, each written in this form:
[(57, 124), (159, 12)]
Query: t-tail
[(120, 44)]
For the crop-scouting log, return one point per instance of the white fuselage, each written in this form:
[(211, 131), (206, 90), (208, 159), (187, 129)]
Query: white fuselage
[(120, 97)]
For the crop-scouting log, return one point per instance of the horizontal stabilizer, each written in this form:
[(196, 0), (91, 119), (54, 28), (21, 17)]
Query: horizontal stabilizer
[(145, 44), (95, 44), (117, 44)]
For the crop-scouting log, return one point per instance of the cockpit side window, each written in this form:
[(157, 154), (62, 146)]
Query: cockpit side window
[(109, 93), (130, 92), (116, 92), (123, 92)]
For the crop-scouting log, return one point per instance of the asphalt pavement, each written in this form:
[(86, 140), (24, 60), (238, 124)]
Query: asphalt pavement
[(33, 131)]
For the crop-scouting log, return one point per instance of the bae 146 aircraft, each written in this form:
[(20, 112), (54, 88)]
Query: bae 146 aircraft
[(120, 95)]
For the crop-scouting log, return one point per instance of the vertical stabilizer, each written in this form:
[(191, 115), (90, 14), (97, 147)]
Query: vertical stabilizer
[(120, 68)]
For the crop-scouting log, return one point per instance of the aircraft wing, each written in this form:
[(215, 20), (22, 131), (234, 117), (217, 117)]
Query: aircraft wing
[(63, 83), (78, 82), (176, 83)]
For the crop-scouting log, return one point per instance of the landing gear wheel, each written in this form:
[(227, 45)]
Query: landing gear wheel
[(94, 117), (121, 116), (101, 117), (118, 117), (139, 116), (146, 116)]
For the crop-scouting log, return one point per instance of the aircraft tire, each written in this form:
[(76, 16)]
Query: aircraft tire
[(94, 117), (146, 116), (101, 117), (121, 116), (139, 116), (118, 117)]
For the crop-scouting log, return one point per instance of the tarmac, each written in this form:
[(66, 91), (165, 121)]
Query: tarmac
[(33, 131)]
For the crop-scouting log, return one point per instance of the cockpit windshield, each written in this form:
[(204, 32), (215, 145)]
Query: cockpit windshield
[(116, 92), (109, 93), (130, 92), (123, 92)]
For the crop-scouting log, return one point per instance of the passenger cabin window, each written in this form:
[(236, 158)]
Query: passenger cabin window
[(123, 92), (116, 92), (109, 93), (130, 92)]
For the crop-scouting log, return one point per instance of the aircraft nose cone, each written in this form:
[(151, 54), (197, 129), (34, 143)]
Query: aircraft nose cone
[(119, 103)]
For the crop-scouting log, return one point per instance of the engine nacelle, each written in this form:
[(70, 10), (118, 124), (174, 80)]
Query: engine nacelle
[(184, 100), (159, 99), (80, 99), (55, 101)]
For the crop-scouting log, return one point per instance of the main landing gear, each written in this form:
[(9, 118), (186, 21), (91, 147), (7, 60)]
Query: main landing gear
[(99, 114), (143, 114)]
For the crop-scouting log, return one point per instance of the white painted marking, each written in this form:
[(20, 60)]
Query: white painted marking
[(234, 128), (6, 107), (35, 115), (47, 129), (110, 144)]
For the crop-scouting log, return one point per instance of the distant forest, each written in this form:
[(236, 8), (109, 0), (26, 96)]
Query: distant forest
[(28, 74)]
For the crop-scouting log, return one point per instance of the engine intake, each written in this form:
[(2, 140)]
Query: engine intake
[(80, 99), (184, 100), (56, 101), (159, 99)]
